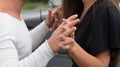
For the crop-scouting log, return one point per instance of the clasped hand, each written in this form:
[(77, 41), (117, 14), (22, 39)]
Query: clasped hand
[(63, 36)]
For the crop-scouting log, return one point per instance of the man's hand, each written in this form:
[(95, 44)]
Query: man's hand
[(53, 18)]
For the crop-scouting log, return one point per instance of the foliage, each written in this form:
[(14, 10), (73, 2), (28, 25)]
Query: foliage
[(30, 5), (38, 0), (118, 0)]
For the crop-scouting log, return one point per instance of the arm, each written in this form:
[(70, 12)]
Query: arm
[(80, 56), (39, 33), (84, 59), (9, 56)]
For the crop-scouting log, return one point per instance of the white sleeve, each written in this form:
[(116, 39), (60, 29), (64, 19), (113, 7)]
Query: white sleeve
[(38, 34), (39, 58), (9, 53)]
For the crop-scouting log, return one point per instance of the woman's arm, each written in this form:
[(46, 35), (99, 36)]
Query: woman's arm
[(84, 59), (81, 57)]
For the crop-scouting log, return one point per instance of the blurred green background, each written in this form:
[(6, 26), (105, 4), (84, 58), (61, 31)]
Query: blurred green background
[(31, 4)]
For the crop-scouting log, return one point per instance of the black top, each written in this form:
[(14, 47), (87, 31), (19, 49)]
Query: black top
[(100, 29)]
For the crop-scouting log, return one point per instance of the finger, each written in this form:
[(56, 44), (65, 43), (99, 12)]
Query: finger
[(64, 28), (64, 47), (63, 24), (56, 18), (49, 12), (67, 33), (66, 44), (59, 14), (67, 41), (56, 11), (55, 23), (72, 35), (59, 28), (72, 23), (72, 17), (60, 8), (50, 17), (61, 38), (65, 21)]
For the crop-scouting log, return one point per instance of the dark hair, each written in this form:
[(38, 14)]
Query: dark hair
[(115, 3), (71, 7), (117, 57)]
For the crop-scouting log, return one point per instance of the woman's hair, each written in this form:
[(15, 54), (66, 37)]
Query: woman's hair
[(70, 7), (115, 3), (117, 58)]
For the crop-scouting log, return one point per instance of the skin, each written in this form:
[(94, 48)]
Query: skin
[(87, 4), (52, 18), (77, 53), (11, 8)]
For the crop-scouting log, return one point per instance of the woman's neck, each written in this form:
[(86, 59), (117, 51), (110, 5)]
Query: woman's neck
[(87, 4)]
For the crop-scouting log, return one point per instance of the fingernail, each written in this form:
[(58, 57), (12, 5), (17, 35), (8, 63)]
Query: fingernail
[(76, 14), (63, 27), (78, 19), (60, 46), (75, 28), (61, 38), (64, 20)]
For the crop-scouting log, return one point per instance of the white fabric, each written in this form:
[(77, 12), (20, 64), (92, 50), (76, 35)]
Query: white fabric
[(16, 44), (39, 33)]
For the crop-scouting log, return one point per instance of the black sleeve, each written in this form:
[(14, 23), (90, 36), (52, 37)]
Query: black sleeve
[(105, 33)]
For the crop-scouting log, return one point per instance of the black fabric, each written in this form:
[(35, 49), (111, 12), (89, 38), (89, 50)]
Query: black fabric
[(100, 29)]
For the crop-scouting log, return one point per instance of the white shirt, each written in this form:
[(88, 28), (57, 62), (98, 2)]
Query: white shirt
[(16, 44)]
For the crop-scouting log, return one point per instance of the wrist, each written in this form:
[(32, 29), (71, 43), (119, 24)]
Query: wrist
[(73, 48), (47, 24), (53, 46)]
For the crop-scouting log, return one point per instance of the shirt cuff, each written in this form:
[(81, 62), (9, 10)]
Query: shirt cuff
[(45, 25)]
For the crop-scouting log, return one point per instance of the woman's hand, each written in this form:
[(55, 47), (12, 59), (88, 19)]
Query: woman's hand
[(66, 39), (66, 26)]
